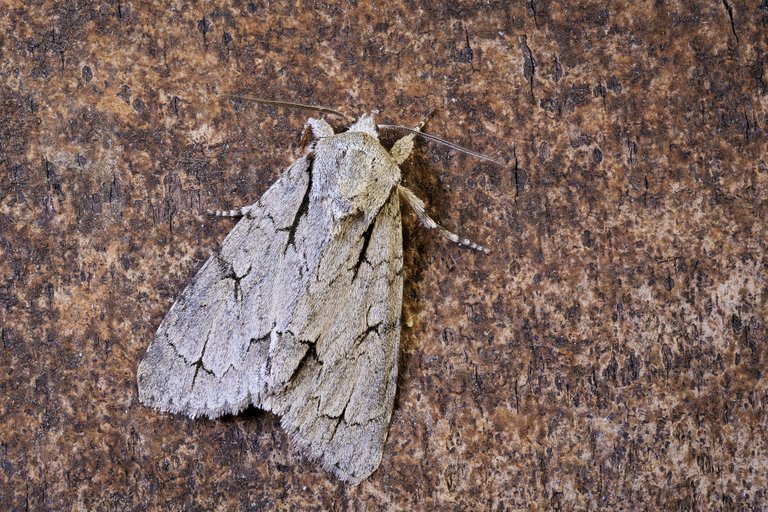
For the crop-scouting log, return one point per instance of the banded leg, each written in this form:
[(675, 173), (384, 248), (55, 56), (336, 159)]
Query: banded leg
[(237, 212), (418, 207)]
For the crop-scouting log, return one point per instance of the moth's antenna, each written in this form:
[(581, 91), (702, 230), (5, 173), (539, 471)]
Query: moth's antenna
[(443, 141), (278, 103)]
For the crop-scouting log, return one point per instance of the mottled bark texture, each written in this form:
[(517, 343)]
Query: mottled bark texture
[(608, 353)]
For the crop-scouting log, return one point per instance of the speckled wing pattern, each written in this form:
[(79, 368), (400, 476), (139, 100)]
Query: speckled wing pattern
[(299, 310)]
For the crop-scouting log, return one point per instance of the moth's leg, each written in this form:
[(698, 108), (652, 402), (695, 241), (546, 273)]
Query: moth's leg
[(315, 129), (418, 207), (400, 152), (237, 212), (403, 148)]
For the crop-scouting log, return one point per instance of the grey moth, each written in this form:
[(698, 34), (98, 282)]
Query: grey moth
[(298, 312)]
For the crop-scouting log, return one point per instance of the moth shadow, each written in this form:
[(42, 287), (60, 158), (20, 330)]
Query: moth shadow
[(255, 422), (249, 414), (421, 246)]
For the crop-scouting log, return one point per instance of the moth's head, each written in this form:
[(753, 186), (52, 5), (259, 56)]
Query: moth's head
[(365, 124)]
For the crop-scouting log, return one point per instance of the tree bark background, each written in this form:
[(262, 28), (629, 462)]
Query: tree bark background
[(609, 353)]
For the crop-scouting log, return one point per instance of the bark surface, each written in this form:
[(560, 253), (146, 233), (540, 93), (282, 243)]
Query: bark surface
[(609, 353)]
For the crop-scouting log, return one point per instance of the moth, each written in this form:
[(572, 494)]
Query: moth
[(298, 312)]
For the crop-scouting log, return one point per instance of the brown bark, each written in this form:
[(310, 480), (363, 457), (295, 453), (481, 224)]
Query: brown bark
[(608, 354)]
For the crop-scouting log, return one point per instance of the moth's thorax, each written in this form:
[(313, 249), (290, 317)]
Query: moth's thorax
[(353, 173)]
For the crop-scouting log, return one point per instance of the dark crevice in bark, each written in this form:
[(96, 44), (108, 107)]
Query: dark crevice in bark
[(532, 8), (529, 64), (729, 10), (516, 171)]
